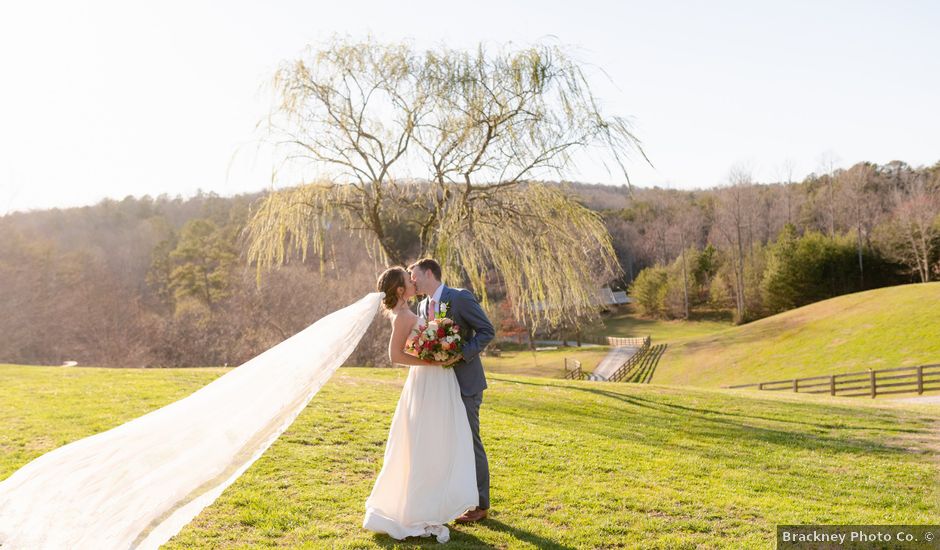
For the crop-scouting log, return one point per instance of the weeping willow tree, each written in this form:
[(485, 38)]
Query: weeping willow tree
[(437, 153)]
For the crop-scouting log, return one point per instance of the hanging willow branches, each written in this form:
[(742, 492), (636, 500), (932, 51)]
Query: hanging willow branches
[(435, 153), (551, 253)]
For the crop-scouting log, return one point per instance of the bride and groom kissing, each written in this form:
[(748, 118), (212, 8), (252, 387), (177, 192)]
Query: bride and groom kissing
[(435, 468)]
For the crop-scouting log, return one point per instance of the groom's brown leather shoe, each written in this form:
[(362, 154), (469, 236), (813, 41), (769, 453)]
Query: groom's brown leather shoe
[(472, 515)]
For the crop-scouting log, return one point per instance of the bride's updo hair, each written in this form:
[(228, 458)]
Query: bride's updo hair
[(389, 282)]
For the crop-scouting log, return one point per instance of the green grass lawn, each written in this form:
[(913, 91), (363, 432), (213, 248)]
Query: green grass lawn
[(626, 323), (516, 359), (547, 363), (883, 328), (46, 407), (573, 464)]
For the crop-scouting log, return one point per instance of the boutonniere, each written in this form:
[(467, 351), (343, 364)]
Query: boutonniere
[(442, 310)]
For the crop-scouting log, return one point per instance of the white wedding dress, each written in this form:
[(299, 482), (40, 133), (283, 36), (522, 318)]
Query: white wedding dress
[(428, 476), (136, 485)]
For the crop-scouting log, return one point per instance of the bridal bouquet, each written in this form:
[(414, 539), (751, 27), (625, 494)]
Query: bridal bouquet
[(438, 340)]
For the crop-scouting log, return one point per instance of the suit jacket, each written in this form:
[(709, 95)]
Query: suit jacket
[(476, 331)]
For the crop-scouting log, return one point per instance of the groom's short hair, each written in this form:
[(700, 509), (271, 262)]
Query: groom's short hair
[(428, 264)]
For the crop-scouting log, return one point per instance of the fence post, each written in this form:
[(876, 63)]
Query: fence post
[(832, 384), (873, 387), (920, 380), (796, 384), (760, 386)]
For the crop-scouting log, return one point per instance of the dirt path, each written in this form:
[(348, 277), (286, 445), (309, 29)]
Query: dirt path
[(923, 399), (612, 361)]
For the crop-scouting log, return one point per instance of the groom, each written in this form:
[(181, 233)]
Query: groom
[(477, 331)]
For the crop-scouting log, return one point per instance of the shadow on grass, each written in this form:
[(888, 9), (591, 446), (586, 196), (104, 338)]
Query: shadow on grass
[(768, 418), (460, 539), (737, 422), (524, 536)]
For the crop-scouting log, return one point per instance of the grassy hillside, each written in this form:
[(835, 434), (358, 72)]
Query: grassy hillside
[(884, 328), (574, 464), (627, 323), (546, 363), (550, 363)]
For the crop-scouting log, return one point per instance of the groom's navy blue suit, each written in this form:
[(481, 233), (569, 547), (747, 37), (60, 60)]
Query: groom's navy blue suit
[(476, 331)]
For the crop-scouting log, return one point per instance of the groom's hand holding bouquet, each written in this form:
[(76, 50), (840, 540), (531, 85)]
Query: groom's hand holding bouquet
[(437, 340)]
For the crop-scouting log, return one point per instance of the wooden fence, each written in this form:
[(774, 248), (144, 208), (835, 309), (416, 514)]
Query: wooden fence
[(634, 360), (871, 383), (616, 342), (573, 369)]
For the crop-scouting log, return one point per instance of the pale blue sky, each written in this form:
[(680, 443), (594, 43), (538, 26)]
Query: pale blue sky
[(107, 99)]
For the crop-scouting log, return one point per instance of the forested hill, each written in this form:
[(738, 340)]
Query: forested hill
[(161, 281)]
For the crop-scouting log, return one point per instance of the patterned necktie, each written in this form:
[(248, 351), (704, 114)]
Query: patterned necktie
[(430, 314)]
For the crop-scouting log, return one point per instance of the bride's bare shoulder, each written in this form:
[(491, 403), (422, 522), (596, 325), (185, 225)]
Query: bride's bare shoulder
[(405, 319)]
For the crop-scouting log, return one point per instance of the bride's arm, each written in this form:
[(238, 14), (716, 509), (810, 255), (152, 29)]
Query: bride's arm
[(401, 328)]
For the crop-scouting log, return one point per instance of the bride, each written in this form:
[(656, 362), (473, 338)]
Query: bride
[(428, 477), (137, 484)]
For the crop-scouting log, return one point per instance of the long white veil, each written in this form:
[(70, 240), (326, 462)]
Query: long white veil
[(137, 485)]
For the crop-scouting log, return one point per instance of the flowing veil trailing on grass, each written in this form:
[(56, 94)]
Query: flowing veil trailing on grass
[(137, 485)]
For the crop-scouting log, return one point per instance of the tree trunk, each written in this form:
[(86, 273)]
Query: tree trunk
[(925, 250), (861, 267), (920, 261), (685, 277), (739, 275)]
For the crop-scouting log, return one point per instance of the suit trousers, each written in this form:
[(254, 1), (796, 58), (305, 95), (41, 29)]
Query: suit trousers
[(472, 403)]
